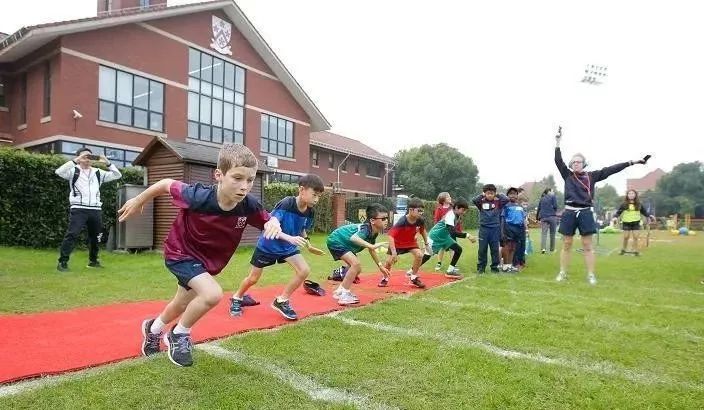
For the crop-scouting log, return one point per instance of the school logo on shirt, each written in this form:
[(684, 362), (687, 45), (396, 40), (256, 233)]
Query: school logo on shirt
[(241, 222)]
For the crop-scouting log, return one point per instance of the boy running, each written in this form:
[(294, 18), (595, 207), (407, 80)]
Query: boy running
[(443, 236)]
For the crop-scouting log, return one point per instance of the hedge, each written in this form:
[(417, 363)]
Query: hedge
[(34, 201), (276, 191)]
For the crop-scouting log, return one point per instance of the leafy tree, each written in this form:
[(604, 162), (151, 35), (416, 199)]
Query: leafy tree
[(427, 170), (681, 191), (608, 197)]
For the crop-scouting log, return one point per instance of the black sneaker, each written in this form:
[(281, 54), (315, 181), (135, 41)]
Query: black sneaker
[(94, 264), (496, 270), (62, 267), (636, 253), (180, 348), (150, 341), (417, 283), (235, 307), (384, 282), (481, 271), (284, 308)]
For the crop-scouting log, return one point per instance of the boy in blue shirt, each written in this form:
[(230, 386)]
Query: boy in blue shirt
[(514, 230), (296, 217)]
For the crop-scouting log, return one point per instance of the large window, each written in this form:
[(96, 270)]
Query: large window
[(277, 136), (47, 90), (215, 99), (120, 157), (131, 100), (2, 92), (373, 169), (283, 177), (314, 155)]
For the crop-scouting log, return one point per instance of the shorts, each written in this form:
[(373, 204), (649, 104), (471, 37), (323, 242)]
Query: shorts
[(401, 251), (630, 226), (261, 259), (337, 253), (185, 270), (514, 233), (573, 220)]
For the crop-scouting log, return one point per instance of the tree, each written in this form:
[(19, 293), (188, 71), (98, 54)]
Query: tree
[(681, 191), (608, 197), (427, 170)]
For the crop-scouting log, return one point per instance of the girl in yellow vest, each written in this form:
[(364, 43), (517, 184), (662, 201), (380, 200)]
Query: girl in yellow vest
[(630, 213)]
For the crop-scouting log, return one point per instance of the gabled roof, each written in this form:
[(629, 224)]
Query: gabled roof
[(186, 152), (648, 181), (29, 39), (335, 142)]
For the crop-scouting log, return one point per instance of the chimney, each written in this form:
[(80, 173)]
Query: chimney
[(116, 7)]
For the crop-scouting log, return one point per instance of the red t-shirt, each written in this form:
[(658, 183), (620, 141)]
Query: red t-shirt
[(205, 232), (440, 212), (404, 233)]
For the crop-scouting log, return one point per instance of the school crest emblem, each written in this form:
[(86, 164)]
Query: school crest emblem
[(222, 33)]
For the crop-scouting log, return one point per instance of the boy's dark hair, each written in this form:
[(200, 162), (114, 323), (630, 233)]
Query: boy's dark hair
[(489, 187), (512, 189), (461, 203), (312, 181), (415, 203), (373, 210), (84, 149)]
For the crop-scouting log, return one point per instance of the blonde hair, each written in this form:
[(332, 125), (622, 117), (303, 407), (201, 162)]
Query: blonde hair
[(442, 197), (235, 155)]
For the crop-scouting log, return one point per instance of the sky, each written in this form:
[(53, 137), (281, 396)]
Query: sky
[(493, 79)]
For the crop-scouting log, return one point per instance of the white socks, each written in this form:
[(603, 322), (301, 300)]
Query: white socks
[(157, 326)]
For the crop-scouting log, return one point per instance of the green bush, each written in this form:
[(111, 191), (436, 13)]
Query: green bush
[(34, 202), (277, 191)]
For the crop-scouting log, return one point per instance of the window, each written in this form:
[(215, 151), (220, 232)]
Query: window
[(131, 100), (277, 136), (314, 156), (120, 157), (356, 166), (143, 3), (331, 161), (343, 165), (2, 92), (283, 177), (373, 169), (215, 99), (47, 89), (23, 99)]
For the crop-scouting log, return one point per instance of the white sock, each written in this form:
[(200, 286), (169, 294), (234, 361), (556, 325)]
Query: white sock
[(157, 326), (236, 297), (281, 299), (413, 277), (179, 329)]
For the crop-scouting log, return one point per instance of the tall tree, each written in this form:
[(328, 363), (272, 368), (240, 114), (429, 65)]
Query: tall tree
[(428, 170), (608, 197), (681, 191)]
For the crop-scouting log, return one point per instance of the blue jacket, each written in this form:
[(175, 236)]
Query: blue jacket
[(579, 189), (547, 207), (490, 211)]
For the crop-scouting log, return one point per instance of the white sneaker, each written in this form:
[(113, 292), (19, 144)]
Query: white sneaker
[(591, 278), (453, 269), (562, 276), (336, 293), (438, 267), (347, 298)]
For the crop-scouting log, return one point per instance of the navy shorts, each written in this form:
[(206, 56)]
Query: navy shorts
[(631, 226), (514, 233), (401, 251), (185, 270), (261, 259), (573, 220), (337, 253)]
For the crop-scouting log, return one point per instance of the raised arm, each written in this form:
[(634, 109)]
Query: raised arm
[(136, 204)]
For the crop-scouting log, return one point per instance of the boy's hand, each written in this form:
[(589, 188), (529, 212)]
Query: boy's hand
[(471, 238), (131, 207), (378, 245), (272, 229), (394, 258), (383, 270), (104, 159), (294, 240)]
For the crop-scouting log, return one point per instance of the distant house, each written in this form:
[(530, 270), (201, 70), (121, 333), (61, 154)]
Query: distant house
[(646, 183)]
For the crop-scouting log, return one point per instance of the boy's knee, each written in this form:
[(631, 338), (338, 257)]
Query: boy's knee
[(303, 272), (356, 265), (213, 297)]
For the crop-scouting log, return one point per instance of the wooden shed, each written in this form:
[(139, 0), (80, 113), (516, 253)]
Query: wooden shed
[(190, 163)]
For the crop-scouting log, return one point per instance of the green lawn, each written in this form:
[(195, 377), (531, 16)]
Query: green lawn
[(495, 341)]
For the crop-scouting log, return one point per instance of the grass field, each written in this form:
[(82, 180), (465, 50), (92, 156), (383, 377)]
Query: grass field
[(495, 341)]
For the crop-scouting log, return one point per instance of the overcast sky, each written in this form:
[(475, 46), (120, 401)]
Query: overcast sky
[(491, 78)]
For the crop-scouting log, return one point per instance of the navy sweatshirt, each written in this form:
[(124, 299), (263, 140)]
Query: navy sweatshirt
[(490, 211), (579, 188)]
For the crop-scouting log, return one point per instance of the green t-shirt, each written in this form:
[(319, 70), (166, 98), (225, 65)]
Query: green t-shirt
[(340, 237)]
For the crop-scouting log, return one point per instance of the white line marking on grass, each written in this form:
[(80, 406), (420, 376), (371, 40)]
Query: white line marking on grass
[(602, 368), (300, 382), (601, 323), (573, 296), (34, 384), (628, 287)]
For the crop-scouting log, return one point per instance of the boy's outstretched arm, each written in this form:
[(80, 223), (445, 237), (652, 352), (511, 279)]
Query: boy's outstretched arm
[(136, 204)]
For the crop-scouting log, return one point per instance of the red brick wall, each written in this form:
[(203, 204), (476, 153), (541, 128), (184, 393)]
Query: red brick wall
[(350, 181)]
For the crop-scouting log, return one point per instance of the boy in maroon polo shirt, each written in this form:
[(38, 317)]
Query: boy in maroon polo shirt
[(201, 241), (402, 239)]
